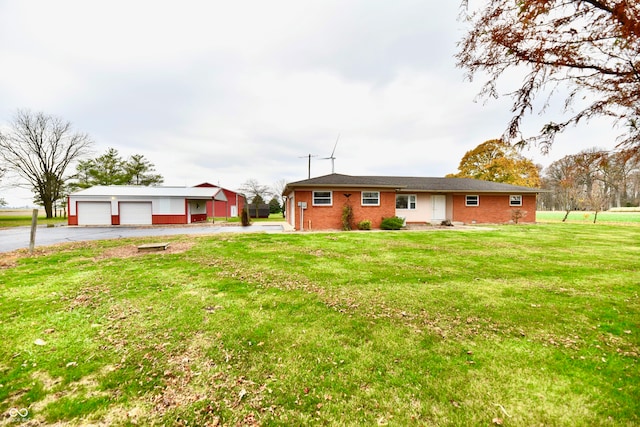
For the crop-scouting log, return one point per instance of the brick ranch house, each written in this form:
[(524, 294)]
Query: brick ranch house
[(317, 203)]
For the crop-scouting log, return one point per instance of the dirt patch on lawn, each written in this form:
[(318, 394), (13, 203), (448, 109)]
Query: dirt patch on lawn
[(10, 259), (128, 251)]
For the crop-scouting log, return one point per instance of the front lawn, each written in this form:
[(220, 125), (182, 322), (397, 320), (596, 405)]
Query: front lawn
[(510, 325)]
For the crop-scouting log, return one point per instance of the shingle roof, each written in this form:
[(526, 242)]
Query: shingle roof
[(409, 183), (155, 191)]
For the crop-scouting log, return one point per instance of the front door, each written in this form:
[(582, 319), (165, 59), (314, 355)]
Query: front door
[(439, 212)]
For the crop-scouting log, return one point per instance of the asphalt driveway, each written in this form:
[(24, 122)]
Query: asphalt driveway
[(18, 237)]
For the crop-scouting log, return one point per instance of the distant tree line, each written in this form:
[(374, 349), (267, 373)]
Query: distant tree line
[(592, 180)]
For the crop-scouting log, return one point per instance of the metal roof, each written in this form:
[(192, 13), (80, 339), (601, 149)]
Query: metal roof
[(200, 193), (408, 183)]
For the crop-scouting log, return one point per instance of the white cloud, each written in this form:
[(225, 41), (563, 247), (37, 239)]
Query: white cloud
[(227, 91)]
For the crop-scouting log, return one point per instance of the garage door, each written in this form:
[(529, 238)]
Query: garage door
[(94, 213), (135, 213)]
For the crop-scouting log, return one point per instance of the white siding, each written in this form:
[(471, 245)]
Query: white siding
[(94, 213), (135, 213)]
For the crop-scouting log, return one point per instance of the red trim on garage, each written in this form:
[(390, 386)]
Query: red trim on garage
[(168, 219), (72, 219), (199, 217)]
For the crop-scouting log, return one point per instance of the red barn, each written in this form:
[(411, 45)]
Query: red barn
[(230, 208)]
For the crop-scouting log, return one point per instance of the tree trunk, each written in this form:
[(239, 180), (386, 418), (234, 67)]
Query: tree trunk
[(565, 215), (48, 208)]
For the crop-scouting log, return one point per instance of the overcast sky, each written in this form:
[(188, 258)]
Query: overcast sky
[(223, 92)]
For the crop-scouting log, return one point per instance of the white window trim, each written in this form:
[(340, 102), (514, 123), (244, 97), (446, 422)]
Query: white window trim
[(466, 200), (369, 204), (409, 196), (511, 201), (313, 198)]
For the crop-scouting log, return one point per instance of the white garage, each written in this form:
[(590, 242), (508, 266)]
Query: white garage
[(135, 213), (94, 213), (138, 205)]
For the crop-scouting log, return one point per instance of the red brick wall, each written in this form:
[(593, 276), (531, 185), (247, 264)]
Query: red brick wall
[(493, 208), (330, 217)]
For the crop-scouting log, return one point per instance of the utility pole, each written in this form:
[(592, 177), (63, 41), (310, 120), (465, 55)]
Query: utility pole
[(309, 167)]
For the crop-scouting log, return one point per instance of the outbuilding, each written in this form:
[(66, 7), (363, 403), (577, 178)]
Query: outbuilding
[(140, 205), (228, 208)]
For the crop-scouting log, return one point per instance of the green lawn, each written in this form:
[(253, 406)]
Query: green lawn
[(588, 216), (8, 220), (509, 325)]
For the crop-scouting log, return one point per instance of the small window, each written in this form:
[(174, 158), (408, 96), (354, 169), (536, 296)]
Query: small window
[(322, 198), (405, 201), (515, 200), (370, 198), (472, 200)]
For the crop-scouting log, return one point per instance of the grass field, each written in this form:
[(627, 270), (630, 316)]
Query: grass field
[(514, 325), (588, 216), (22, 217)]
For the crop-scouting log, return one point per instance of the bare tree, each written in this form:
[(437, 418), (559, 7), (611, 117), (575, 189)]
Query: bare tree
[(2, 172), (252, 190), (585, 51), (39, 148), (598, 200), (278, 188), (565, 177)]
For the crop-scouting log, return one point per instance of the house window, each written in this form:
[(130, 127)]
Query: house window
[(405, 201), (322, 198), (472, 200), (515, 200), (370, 198)]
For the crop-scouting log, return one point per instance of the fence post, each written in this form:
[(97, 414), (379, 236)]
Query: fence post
[(34, 224)]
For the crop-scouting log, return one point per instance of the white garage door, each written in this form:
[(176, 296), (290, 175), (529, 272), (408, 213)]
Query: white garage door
[(135, 213), (94, 213)]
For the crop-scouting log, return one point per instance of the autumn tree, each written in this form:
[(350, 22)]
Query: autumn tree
[(496, 160), (615, 171), (39, 148), (565, 178), (587, 52)]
